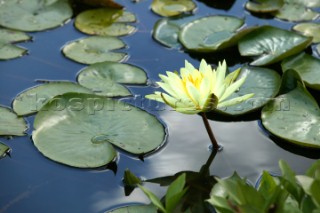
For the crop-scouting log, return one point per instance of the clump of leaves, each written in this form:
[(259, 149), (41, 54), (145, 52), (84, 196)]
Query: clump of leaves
[(174, 194), (287, 193)]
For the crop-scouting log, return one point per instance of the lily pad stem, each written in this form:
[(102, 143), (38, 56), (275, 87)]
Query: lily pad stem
[(210, 133)]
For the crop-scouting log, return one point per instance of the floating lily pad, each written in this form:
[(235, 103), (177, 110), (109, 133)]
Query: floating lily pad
[(295, 117), (106, 78), (309, 29), (307, 66), (34, 15), (136, 209), (105, 21), (272, 44), (11, 124), (4, 150), (263, 82), (95, 49), (101, 3), (166, 30), (172, 7), (83, 132), (298, 10), (7, 49), (31, 100), (264, 6), (211, 33)]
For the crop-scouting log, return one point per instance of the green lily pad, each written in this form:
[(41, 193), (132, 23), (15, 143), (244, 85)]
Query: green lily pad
[(11, 124), (166, 30), (264, 6), (172, 7), (307, 66), (34, 15), (309, 29), (105, 21), (298, 122), (4, 150), (263, 82), (95, 49), (82, 133), (9, 50), (298, 10), (136, 209), (106, 78), (271, 44), (31, 100), (212, 33)]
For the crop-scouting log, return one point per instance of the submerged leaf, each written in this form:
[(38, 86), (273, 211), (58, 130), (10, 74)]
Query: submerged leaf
[(83, 132), (7, 49), (106, 78), (34, 15), (11, 124), (172, 7), (135, 209), (271, 44), (31, 100), (105, 21), (94, 49)]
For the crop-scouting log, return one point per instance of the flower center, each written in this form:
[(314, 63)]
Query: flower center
[(195, 79)]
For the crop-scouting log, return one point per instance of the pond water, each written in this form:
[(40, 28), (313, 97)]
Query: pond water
[(29, 182)]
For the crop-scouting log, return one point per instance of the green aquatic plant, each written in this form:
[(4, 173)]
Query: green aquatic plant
[(199, 91)]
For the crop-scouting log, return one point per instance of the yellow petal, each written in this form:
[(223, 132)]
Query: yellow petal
[(232, 88), (189, 111), (231, 77), (220, 75), (235, 101), (193, 93)]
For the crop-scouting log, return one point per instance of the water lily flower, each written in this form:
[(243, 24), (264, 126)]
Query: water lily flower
[(193, 91), (199, 91)]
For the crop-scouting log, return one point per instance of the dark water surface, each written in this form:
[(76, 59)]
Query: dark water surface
[(29, 182)]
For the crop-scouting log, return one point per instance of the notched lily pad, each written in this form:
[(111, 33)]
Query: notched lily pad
[(95, 49), (7, 49), (105, 21), (298, 10), (271, 44), (212, 33), (11, 124), (263, 82), (106, 78), (295, 117), (34, 15), (4, 150), (264, 6), (82, 133), (166, 30), (307, 66), (172, 7), (31, 100), (309, 29)]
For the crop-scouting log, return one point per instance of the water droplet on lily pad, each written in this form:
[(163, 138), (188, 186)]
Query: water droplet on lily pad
[(34, 15), (105, 21), (95, 49), (83, 133)]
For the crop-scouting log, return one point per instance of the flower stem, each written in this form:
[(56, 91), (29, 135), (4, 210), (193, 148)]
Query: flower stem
[(210, 133)]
